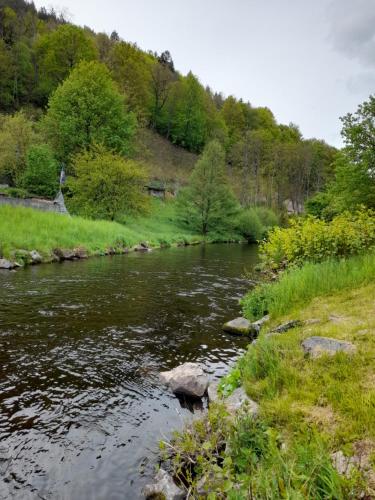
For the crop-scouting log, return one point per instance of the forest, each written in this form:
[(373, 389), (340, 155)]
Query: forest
[(266, 162)]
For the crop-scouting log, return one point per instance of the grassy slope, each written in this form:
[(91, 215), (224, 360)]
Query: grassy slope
[(333, 398), (28, 229), (300, 285)]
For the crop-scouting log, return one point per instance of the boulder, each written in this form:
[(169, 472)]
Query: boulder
[(188, 378), (343, 464), (6, 264), (64, 254), (163, 487), (35, 257), (80, 253), (258, 324), (236, 401), (240, 326), (240, 400), (318, 346)]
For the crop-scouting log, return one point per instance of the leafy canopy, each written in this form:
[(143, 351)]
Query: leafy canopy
[(208, 203), (106, 185), (86, 109)]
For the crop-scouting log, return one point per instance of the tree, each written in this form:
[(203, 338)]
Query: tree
[(86, 109), (131, 70), (106, 186), (16, 136), (41, 175), (358, 132), (161, 85), (57, 53), (208, 203)]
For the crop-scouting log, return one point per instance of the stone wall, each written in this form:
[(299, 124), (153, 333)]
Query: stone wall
[(56, 205)]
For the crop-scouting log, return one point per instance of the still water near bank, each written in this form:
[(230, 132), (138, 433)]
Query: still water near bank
[(81, 345)]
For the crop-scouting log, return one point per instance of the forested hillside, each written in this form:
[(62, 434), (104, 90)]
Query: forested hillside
[(267, 162)]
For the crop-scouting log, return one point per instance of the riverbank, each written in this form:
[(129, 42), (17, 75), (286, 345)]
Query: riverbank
[(23, 230), (315, 433)]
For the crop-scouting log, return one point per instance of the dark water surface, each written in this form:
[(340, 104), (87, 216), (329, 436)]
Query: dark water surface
[(81, 345)]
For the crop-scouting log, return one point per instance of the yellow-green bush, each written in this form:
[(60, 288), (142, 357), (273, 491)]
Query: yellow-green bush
[(314, 240)]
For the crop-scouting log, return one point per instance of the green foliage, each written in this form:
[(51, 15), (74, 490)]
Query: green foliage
[(208, 204), (312, 239), (255, 222), (41, 175), (57, 53), (298, 286), (16, 136), (105, 185), (86, 109)]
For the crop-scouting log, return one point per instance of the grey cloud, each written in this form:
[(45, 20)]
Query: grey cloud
[(361, 83), (352, 28)]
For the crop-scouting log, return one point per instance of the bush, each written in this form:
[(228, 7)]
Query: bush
[(41, 174), (254, 223), (106, 185), (312, 239)]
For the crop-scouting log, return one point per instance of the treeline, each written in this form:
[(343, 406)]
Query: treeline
[(267, 162)]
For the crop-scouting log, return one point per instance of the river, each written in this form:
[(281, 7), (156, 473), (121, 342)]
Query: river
[(81, 345)]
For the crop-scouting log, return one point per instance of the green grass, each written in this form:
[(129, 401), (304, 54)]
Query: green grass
[(28, 229), (298, 286)]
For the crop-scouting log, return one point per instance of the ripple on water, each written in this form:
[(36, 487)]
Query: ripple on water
[(81, 347)]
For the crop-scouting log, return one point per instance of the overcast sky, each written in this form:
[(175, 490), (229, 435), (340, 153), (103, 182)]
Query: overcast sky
[(308, 61)]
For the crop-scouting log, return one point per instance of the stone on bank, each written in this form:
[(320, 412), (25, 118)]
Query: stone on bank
[(188, 379), (163, 487)]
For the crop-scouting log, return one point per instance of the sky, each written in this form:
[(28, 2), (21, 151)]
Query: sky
[(310, 62)]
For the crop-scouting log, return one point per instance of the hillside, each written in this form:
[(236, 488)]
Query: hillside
[(268, 162)]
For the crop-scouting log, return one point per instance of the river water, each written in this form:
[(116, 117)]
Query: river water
[(81, 345)]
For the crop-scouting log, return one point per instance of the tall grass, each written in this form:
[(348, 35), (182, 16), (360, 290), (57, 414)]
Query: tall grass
[(299, 285)]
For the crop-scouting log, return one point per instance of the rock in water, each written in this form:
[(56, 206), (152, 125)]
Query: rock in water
[(188, 378), (240, 326), (318, 346), (35, 256), (163, 487), (6, 264)]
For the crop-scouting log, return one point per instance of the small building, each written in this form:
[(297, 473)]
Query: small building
[(157, 190)]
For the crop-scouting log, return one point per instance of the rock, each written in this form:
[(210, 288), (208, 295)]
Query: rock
[(6, 264), (35, 257), (240, 326), (240, 400), (236, 401), (142, 247), (212, 393), (344, 465), (287, 326), (188, 378), (64, 254), (258, 324), (80, 253), (318, 346), (110, 251), (163, 487)]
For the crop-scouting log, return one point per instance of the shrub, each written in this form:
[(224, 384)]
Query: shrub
[(106, 185), (312, 239), (41, 174), (254, 223)]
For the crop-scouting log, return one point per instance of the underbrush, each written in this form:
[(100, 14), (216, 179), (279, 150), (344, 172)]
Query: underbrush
[(315, 240), (298, 286), (255, 222)]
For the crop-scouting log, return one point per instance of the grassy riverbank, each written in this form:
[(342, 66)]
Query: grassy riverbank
[(310, 409), (28, 229)]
